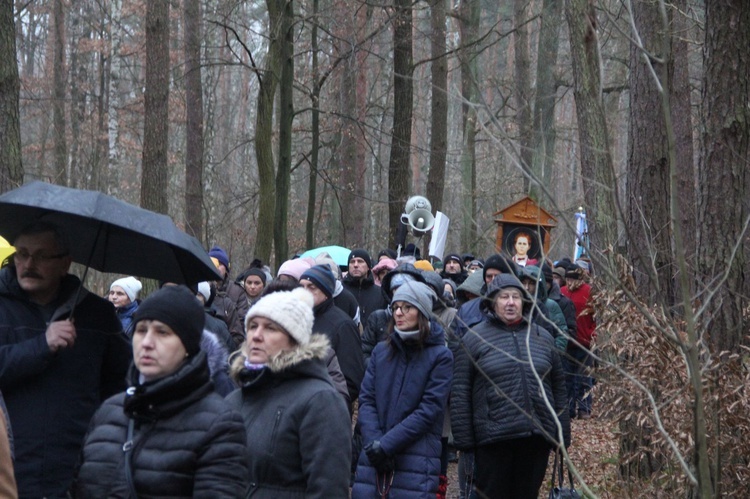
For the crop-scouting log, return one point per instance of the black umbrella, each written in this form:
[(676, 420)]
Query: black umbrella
[(109, 235)]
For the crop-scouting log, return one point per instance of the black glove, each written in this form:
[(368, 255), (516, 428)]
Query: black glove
[(381, 461)]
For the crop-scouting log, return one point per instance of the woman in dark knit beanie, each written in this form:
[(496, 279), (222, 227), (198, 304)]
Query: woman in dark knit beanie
[(169, 434)]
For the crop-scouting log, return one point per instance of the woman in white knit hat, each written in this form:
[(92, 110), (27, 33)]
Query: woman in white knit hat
[(123, 293), (298, 426)]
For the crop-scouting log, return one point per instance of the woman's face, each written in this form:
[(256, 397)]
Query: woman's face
[(118, 297), (253, 286), (405, 316), (522, 246), (157, 350), (508, 305), (265, 339)]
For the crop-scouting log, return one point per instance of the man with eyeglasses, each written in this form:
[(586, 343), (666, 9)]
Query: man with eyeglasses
[(54, 370)]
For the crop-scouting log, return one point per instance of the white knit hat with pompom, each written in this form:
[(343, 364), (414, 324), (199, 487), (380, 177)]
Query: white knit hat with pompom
[(292, 310)]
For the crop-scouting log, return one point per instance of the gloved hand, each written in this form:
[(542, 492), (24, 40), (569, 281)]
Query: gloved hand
[(381, 461)]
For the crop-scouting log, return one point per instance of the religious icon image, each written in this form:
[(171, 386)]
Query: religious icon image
[(524, 247)]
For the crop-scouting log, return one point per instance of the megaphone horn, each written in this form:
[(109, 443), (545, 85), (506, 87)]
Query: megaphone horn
[(417, 203), (421, 221)]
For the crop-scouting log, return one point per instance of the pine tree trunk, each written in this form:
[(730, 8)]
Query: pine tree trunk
[(156, 108), (439, 111), (398, 167), (194, 126), (286, 116), (597, 169), (11, 170)]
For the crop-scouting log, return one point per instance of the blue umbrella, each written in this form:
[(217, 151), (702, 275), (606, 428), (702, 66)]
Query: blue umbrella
[(339, 254)]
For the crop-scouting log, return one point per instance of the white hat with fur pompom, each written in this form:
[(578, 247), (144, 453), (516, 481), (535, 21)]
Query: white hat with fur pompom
[(292, 310)]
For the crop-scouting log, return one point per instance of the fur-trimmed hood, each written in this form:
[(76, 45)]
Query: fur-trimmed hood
[(317, 348)]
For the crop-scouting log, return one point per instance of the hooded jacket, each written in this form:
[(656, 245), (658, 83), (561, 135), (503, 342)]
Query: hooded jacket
[(547, 313), (298, 426), (402, 405), (495, 394), (187, 442), (49, 399)]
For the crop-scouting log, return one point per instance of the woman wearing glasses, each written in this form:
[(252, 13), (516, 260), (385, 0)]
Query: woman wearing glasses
[(402, 402)]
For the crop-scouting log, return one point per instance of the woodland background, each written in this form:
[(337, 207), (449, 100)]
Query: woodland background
[(271, 127)]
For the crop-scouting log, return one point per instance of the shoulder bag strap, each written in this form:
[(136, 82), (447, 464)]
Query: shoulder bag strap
[(127, 448)]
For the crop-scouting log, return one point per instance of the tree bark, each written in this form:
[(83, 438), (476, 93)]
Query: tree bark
[(264, 139), (648, 221), (724, 169), (522, 77), (468, 27), (194, 126), (286, 116), (58, 91), (11, 169), (315, 129), (596, 158), (349, 161), (398, 167), (438, 111), (156, 108), (544, 129)]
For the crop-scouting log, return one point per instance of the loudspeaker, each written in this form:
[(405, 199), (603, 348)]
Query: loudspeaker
[(417, 203), (420, 221)]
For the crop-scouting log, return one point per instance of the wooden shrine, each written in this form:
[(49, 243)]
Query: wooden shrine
[(524, 217)]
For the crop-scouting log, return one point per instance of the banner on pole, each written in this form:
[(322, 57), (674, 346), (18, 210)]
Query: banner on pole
[(439, 235)]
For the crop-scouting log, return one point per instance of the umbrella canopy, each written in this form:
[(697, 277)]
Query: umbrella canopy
[(5, 249), (107, 234), (339, 254)]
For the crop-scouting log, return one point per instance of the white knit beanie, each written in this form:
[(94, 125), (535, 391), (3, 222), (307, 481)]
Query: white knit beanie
[(292, 310), (130, 285)]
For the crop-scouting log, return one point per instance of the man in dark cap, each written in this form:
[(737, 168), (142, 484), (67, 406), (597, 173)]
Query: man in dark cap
[(453, 269), (361, 283), (336, 325), (62, 352)]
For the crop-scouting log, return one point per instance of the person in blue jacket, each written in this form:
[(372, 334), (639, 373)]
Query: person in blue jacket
[(402, 402)]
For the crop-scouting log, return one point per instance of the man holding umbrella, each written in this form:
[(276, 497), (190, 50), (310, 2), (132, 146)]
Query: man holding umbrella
[(61, 354)]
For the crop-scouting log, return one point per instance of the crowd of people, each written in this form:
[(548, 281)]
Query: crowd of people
[(361, 380)]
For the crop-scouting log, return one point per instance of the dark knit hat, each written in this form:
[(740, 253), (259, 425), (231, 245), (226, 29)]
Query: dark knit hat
[(499, 262), (363, 254), (256, 272), (322, 277), (220, 255), (387, 252), (547, 272), (453, 256), (179, 309), (574, 272)]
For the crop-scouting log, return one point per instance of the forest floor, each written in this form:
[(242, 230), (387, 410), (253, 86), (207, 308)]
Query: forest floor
[(593, 452)]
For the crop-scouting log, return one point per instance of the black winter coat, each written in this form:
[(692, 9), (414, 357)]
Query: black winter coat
[(495, 394), (375, 331), (344, 338), (51, 396), (369, 296), (298, 427), (567, 307), (187, 441)]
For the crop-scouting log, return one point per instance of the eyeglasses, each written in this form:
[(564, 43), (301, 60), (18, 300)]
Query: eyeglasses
[(405, 308), (25, 256)]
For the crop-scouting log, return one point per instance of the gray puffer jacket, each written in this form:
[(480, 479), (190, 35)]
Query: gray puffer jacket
[(495, 395)]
